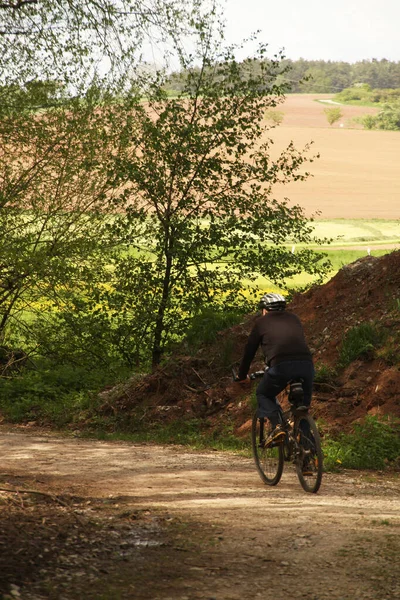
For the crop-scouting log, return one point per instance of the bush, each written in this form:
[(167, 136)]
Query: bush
[(374, 444), (275, 116), (333, 114), (387, 119)]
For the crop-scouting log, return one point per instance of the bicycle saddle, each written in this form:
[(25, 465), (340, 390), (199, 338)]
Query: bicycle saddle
[(296, 394)]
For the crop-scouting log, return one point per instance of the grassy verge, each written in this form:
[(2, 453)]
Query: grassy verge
[(374, 444), (195, 434)]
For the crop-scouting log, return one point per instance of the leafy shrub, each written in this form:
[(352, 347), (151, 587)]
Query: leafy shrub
[(387, 119), (333, 114), (359, 341), (275, 116), (368, 121), (374, 444), (358, 93)]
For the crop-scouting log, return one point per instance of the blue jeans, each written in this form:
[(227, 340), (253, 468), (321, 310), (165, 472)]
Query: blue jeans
[(276, 379)]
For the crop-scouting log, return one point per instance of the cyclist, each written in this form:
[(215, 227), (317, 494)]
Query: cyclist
[(281, 336)]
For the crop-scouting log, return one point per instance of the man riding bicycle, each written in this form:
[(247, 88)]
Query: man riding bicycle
[(281, 336)]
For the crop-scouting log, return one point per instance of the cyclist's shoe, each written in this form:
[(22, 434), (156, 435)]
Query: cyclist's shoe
[(307, 468), (276, 436)]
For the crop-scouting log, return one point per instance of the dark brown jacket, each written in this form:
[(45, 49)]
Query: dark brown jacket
[(281, 336)]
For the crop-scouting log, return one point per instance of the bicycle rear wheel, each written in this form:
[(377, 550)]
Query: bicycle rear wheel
[(269, 460), (309, 462)]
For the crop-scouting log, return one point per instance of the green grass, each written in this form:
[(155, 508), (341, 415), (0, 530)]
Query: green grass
[(324, 373), (345, 235), (196, 434), (358, 231), (360, 341), (374, 444)]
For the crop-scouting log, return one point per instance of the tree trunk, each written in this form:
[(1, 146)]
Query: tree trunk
[(159, 329)]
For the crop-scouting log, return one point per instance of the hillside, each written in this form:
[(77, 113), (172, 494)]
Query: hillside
[(200, 386)]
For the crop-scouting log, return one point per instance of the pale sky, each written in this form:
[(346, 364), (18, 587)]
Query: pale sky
[(337, 30)]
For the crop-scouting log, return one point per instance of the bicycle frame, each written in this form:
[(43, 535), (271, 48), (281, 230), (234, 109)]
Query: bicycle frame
[(301, 444)]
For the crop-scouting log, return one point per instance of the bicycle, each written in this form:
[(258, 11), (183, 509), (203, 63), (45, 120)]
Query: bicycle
[(301, 444)]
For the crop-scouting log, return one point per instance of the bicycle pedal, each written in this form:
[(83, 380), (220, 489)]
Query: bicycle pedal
[(275, 443)]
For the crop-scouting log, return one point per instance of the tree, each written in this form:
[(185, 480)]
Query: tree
[(125, 218), (73, 39), (317, 80), (55, 197), (333, 114), (388, 118), (198, 178)]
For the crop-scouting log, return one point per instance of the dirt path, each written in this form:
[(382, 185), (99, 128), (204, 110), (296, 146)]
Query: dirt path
[(149, 522)]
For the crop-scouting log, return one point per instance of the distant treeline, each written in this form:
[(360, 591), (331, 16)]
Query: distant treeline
[(319, 76)]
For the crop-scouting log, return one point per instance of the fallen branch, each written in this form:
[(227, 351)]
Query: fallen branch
[(195, 390), (332, 387), (201, 379)]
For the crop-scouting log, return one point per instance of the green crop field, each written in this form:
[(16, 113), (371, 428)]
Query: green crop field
[(359, 232), (351, 239)]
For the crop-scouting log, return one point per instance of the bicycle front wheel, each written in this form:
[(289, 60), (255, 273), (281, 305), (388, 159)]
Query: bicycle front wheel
[(268, 459), (309, 461)]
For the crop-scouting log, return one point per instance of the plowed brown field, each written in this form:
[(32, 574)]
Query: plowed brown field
[(357, 174)]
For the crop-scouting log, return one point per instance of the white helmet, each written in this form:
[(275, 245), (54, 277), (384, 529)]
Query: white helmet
[(272, 302)]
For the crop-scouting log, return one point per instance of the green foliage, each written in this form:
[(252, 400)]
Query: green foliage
[(365, 95), (364, 81), (360, 341), (387, 119), (381, 77), (55, 394), (316, 78), (54, 198), (357, 94), (205, 326), (32, 95), (333, 114), (120, 219), (368, 121), (65, 41), (374, 444)]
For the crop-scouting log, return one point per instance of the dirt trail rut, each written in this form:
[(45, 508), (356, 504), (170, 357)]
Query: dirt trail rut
[(165, 523)]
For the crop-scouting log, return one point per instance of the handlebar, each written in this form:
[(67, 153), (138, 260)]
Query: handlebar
[(252, 376)]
